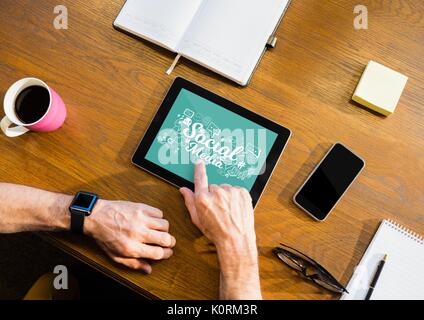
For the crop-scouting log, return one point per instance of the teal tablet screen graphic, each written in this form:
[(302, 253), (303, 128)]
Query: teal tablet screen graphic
[(234, 148)]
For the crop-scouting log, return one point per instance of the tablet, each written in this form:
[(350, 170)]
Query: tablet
[(239, 147)]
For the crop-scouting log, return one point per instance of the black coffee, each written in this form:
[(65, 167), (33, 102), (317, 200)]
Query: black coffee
[(32, 104)]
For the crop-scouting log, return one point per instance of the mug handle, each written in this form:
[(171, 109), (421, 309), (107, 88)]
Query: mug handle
[(11, 132)]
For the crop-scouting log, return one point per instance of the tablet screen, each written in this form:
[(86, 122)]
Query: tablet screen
[(234, 148)]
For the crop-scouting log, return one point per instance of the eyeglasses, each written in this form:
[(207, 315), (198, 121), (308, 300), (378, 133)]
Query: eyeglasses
[(308, 267)]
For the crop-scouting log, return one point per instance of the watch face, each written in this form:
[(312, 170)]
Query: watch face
[(84, 201)]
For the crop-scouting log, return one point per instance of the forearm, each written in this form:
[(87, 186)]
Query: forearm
[(239, 278), (29, 209)]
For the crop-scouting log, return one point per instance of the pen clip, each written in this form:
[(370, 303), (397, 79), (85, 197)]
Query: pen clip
[(272, 42)]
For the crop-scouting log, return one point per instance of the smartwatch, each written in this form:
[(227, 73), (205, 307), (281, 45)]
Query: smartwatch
[(81, 207)]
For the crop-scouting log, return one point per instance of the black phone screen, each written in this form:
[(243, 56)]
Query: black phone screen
[(329, 182)]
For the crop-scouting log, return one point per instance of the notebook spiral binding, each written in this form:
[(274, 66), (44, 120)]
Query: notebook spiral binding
[(405, 231)]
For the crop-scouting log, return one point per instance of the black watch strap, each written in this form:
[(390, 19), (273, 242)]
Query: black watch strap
[(77, 221), (81, 206)]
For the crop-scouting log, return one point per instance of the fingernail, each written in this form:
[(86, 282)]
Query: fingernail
[(199, 162)]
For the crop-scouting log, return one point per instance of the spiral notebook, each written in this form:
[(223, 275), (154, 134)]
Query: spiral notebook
[(402, 275), (228, 37)]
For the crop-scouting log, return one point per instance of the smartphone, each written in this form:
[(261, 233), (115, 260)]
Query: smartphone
[(328, 182)]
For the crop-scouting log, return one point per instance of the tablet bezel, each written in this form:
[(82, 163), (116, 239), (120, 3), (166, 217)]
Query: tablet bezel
[(139, 157)]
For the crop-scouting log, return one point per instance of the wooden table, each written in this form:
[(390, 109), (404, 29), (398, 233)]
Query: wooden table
[(112, 85)]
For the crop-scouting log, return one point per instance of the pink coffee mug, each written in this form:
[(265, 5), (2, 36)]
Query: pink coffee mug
[(52, 119)]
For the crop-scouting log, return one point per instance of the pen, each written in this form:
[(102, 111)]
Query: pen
[(375, 278)]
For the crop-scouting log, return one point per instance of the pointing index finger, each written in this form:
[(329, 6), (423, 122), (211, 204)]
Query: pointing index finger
[(200, 178)]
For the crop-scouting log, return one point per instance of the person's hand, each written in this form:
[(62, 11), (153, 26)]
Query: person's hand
[(224, 214), (130, 232)]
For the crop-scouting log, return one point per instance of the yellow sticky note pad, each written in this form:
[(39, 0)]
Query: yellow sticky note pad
[(380, 88)]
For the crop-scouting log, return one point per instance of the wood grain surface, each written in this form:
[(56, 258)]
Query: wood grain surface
[(112, 85)]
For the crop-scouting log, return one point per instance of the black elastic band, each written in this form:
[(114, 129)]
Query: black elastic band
[(77, 222)]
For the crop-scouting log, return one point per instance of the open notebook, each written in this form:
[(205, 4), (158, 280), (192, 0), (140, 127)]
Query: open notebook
[(228, 37), (402, 275)]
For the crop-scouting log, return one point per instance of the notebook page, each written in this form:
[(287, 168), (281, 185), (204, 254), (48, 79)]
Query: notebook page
[(229, 37), (160, 21), (401, 277)]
